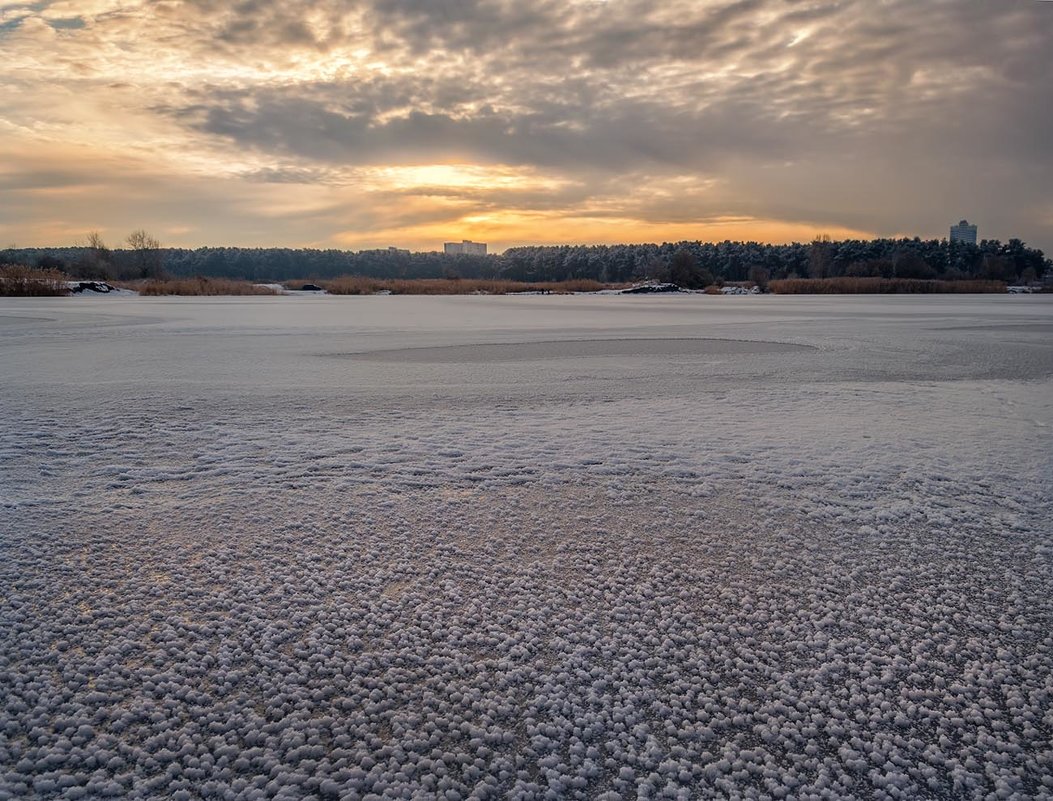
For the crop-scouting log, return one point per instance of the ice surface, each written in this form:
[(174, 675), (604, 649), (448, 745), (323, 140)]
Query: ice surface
[(526, 547), (574, 349)]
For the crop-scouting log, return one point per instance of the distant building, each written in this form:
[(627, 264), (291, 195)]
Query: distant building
[(465, 247), (390, 251), (963, 232)]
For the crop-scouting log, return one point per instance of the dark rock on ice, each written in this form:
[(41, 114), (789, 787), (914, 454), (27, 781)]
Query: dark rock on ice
[(91, 286)]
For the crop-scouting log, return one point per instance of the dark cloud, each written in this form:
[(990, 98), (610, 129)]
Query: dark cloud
[(474, 26), (634, 134)]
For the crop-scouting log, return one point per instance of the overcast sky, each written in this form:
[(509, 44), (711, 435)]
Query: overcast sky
[(409, 122)]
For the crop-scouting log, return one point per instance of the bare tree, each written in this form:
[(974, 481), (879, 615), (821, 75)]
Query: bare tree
[(95, 242), (146, 254), (101, 255), (95, 261)]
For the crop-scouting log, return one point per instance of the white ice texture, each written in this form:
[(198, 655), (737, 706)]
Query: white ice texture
[(526, 547)]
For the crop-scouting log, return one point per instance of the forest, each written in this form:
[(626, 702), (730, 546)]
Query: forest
[(690, 264)]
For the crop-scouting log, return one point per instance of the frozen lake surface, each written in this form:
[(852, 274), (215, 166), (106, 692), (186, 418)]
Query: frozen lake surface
[(528, 547)]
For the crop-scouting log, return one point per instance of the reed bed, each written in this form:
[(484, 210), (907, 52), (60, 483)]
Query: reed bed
[(879, 286), (362, 285), (201, 286), (18, 280)]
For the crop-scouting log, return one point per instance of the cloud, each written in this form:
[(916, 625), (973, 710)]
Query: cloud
[(885, 117)]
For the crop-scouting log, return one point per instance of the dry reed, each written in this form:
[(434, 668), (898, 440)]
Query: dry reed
[(362, 285), (18, 280), (875, 286), (201, 286)]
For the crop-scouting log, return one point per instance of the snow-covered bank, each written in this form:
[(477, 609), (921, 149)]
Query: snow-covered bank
[(96, 288)]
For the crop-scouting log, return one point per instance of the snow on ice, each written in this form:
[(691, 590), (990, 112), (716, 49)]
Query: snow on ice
[(531, 547)]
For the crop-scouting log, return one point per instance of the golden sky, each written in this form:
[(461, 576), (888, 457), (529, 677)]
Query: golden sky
[(370, 123)]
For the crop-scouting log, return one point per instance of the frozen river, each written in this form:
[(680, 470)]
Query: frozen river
[(529, 547)]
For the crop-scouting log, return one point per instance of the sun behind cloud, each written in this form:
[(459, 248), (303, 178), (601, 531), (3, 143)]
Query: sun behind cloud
[(401, 123)]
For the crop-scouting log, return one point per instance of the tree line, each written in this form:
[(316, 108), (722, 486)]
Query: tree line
[(690, 264)]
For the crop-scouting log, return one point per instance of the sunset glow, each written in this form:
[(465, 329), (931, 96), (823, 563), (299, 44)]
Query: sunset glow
[(408, 123)]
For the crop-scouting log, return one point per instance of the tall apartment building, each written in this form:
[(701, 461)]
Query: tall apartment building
[(464, 247), (963, 232)]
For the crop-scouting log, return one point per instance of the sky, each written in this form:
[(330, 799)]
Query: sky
[(373, 123)]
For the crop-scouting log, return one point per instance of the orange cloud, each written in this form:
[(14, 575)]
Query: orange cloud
[(503, 229)]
